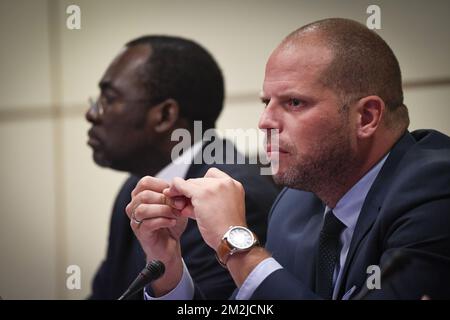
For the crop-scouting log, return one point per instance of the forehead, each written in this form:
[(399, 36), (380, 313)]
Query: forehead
[(123, 72), (296, 66)]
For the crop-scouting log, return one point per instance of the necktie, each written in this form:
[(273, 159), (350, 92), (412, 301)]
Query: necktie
[(328, 254)]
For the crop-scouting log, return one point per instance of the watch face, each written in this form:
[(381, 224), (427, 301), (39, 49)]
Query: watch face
[(240, 238)]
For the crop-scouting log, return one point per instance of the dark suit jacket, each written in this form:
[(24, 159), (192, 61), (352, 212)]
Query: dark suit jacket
[(125, 258), (406, 209)]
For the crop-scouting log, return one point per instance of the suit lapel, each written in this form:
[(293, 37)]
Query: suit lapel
[(373, 202)]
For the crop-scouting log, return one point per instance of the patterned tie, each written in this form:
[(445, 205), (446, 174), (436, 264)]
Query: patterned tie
[(328, 254)]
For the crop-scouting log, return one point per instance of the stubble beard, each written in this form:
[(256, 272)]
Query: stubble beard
[(324, 170)]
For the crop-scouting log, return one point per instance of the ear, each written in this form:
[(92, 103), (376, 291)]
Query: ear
[(370, 111), (164, 115)]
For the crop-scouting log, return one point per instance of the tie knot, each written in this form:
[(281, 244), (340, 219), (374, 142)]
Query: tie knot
[(332, 226)]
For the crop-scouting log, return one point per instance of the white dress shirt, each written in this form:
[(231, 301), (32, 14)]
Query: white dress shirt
[(179, 168)]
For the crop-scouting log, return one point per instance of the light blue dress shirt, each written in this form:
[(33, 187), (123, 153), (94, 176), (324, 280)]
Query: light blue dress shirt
[(347, 210)]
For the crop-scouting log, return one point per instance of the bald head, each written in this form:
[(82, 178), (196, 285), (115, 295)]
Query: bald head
[(362, 64)]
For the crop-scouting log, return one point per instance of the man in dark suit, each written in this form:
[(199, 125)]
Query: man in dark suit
[(158, 84), (362, 191)]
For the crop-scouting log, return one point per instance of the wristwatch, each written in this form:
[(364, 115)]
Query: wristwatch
[(236, 239)]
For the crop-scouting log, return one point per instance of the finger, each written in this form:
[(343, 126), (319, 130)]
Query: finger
[(172, 192), (216, 173), (151, 225), (146, 197), (188, 211), (149, 183), (151, 211), (181, 187), (178, 202)]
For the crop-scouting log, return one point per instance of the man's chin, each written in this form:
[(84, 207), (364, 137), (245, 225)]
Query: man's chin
[(280, 178), (100, 160), (288, 178)]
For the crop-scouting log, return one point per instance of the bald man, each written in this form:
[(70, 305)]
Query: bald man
[(361, 190)]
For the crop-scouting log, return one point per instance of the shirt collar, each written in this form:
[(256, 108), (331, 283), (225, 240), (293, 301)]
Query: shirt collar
[(180, 166), (348, 208)]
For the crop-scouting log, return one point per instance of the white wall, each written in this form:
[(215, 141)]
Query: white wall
[(54, 202)]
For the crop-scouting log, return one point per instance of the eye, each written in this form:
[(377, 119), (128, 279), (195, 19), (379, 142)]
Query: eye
[(295, 103), (265, 101), (108, 99)]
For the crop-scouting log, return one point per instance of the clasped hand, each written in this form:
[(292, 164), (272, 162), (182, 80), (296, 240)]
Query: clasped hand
[(158, 211)]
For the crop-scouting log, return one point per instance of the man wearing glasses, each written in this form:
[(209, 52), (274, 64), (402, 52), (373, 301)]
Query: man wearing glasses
[(155, 85)]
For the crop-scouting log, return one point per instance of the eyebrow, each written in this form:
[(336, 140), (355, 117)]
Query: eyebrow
[(284, 94), (106, 85)]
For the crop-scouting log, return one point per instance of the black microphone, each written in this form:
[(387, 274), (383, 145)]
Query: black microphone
[(152, 271), (397, 262)]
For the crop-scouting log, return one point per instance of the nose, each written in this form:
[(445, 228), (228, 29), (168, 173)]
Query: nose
[(92, 114), (268, 119)]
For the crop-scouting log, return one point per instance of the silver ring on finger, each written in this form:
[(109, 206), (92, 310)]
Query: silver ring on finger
[(138, 222)]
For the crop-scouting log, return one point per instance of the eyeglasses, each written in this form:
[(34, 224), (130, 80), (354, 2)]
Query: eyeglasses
[(99, 105)]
